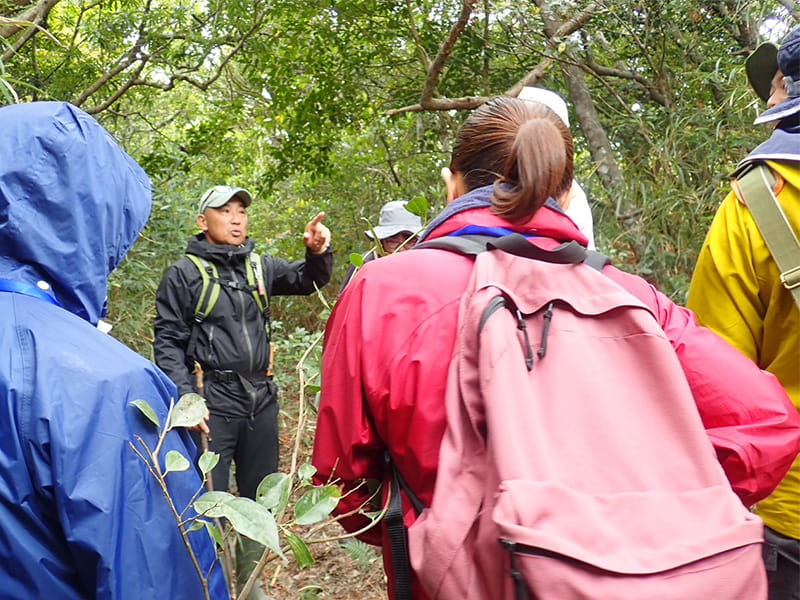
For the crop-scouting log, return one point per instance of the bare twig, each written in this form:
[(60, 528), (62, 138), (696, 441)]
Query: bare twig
[(301, 418), (373, 522), (412, 27)]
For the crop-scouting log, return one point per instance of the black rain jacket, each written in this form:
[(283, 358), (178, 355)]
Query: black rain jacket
[(233, 337)]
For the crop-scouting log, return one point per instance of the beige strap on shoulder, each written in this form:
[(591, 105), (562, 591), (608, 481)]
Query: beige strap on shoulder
[(755, 189)]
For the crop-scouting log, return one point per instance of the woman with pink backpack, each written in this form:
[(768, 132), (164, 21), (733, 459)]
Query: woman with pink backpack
[(392, 340)]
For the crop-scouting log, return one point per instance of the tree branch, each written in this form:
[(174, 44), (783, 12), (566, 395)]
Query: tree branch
[(465, 103), (119, 92), (653, 90), (130, 57), (423, 55), (435, 70), (31, 20), (564, 29), (740, 25), (35, 14), (429, 103), (185, 76)]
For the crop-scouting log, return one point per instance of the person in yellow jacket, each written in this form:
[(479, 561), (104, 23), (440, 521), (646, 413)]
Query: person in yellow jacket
[(736, 288)]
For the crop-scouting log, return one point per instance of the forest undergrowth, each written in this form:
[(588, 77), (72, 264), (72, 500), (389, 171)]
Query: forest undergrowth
[(344, 569)]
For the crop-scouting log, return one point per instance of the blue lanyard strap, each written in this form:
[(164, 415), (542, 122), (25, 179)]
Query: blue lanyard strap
[(18, 287), (492, 231)]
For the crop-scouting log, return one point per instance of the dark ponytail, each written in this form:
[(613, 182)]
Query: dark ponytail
[(523, 148)]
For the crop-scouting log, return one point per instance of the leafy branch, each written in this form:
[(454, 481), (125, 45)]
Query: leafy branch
[(261, 520), (245, 516)]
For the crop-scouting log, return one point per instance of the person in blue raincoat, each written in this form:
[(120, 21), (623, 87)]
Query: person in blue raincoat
[(80, 515)]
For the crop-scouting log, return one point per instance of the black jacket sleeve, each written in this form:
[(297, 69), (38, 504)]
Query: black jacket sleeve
[(300, 277), (172, 328)]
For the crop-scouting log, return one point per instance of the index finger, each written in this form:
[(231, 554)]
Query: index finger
[(316, 220)]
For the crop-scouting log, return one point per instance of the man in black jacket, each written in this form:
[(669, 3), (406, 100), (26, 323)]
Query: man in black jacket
[(212, 336), (226, 331)]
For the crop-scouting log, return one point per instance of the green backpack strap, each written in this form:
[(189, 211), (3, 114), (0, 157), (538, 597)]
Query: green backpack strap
[(755, 187), (210, 290), (255, 279)]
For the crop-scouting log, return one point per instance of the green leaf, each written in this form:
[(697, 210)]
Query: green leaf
[(357, 260), (211, 504), (214, 532), (273, 492), (252, 520), (207, 461), (313, 389), (305, 472), (147, 411), (361, 553), (196, 525), (188, 412), (300, 550), (176, 462), (316, 505), (246, 516), (418, 206)]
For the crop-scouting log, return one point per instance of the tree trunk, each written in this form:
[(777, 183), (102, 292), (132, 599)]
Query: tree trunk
[(595, 133), (593, 130)]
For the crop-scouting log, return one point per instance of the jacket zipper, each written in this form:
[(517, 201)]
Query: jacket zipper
[(248, 342)]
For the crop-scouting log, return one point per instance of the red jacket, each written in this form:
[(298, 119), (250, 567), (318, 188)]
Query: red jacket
[(389, 341)]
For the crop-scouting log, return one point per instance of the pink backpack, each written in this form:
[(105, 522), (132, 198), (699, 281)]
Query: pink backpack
[(575, 464)]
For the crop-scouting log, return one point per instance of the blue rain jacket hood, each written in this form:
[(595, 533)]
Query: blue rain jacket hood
[(71, 203), (80, 514)]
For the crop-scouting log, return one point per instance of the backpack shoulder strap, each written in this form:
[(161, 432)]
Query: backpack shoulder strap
[(596, 260), (569, 253), (255, 279), (467, 245), (471, 245), (397, 531), (209, 293), (755, 189)]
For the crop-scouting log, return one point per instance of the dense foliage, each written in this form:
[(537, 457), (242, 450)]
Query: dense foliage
[(341, 105)]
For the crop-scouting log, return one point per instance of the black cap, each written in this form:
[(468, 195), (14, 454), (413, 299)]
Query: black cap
[(761, 67), (788, 62)]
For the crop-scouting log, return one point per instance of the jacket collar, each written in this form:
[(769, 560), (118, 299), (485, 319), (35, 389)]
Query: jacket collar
[(219, 253), (781, 145), (473, 208)]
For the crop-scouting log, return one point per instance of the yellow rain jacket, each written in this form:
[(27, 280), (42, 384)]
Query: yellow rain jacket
[(736, 291)]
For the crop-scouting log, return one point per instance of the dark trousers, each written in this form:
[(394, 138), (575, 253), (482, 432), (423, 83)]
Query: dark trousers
[(782, 560), (251, 443)]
